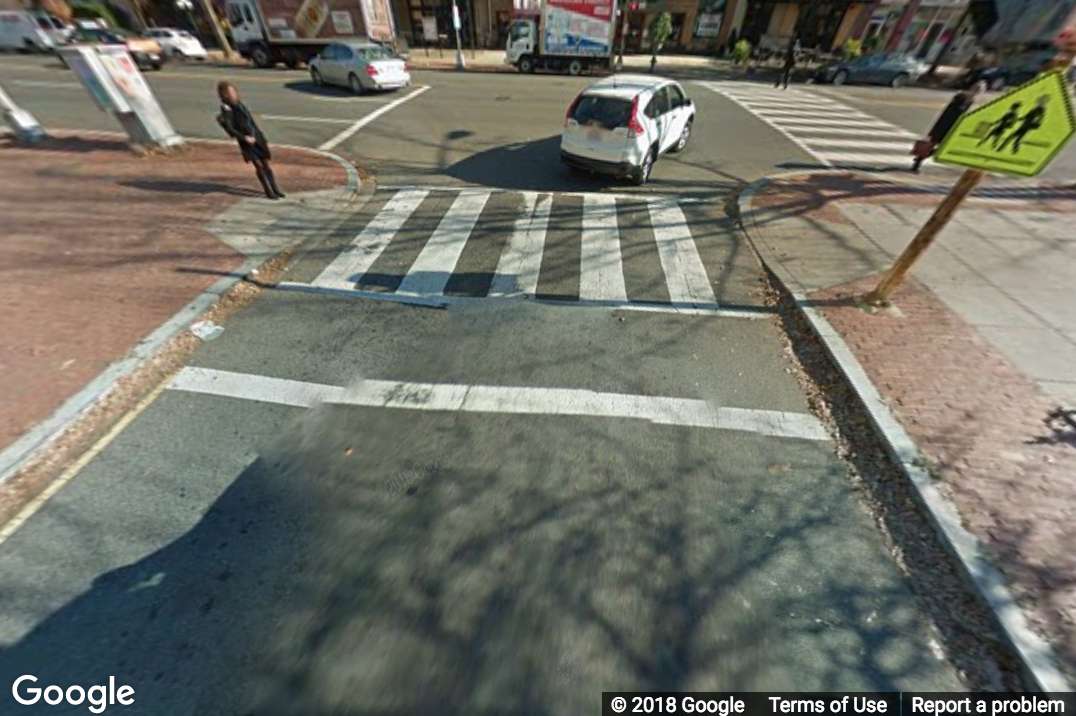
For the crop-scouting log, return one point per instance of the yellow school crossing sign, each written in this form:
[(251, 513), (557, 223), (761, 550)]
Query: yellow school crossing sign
[(1018, 133)]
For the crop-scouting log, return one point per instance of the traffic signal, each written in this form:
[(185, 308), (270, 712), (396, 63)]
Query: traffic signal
[(635, 7)]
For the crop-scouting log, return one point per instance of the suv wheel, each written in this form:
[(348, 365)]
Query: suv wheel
[(840, 78), (898, 81), (684, 136), (642, 174)]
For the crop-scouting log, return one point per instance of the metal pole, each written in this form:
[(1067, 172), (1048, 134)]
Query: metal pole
[(211, 14), (460, 64), (471, 24), (489, 23), (952, 41), (623, 31)]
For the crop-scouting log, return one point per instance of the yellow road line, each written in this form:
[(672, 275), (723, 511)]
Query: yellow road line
[(76, 467)]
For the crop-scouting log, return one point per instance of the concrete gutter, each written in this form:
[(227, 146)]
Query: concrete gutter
[(1035, 656), (24, 451)]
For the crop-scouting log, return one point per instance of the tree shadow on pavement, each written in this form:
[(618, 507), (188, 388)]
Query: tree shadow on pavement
[(526, 578), (175, 186), (75, 144)]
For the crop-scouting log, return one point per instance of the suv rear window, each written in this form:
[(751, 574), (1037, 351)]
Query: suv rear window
[(609, 112)]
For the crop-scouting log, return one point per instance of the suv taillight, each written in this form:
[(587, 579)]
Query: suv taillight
[(571, 108), (371, 70), (635, 127)]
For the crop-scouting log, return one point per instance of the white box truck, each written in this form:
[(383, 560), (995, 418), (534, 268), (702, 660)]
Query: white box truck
[(573, 36), (270, 32)]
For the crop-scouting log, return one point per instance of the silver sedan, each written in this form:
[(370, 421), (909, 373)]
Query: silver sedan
[(362, 67)]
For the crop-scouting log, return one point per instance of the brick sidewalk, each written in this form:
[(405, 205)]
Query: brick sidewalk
[(940, 359), (101, 247)]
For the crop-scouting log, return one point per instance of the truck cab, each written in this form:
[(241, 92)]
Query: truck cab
[(522, 44)]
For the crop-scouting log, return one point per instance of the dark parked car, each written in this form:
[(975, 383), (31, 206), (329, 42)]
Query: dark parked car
[(892, 70), (1013, 72)]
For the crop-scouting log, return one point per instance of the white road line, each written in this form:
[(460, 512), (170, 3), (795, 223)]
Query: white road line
[(434, 266), (858, 144), (864, 159), (62, 85), (794, 114), (627, 197), (355, 260), (795, 103), (320, 120), (827, 121), (521, 262), (798, 107), (812, 129), (714, 310), (601, 267), (353, 129), (685, 274), (787, 134), (509, 400)]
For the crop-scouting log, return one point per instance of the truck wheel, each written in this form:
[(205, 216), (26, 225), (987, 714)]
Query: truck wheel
[(526, 64), (261, 59), (575, 68)]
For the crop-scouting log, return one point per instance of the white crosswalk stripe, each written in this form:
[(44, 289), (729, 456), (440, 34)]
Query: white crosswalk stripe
[(820, 125), (357, 259), (602, 272), (517, 272), (434, 266), (432, 248)]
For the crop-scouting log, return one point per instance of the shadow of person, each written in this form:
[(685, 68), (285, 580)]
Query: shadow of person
[(527, 166)]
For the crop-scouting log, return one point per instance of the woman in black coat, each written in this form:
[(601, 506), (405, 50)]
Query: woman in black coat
[(239, 123), (945, 122)]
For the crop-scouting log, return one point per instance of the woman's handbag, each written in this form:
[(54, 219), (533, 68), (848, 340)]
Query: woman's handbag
[(923, 148)]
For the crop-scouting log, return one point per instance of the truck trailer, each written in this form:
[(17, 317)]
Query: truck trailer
[(573, 36), (292, 32)]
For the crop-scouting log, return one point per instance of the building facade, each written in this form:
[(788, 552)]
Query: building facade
[(824, 25)]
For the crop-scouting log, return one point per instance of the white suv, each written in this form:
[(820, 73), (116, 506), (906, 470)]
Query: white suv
[(622, 124)]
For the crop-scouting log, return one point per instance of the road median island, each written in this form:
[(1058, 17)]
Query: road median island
[(111, 258), (969, 446)]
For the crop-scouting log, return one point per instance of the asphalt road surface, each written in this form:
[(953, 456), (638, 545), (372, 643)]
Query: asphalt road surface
[(396, 489)]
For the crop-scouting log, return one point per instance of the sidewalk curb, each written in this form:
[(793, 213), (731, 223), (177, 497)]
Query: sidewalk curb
[(1034, 654), (28, 447)]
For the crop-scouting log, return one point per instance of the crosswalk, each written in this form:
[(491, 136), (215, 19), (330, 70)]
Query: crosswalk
[(436, 246), (835, 134)]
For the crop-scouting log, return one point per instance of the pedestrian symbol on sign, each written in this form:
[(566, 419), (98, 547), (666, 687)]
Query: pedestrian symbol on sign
[(1019, 133)]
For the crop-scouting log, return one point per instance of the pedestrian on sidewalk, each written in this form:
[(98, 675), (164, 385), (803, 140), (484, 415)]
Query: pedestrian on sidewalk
[(239, 123), (957, 108), (789, 65)]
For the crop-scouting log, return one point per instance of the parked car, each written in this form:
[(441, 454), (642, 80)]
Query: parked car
[(27, 31), (178, 44), (621, 125), (893, 70), (1014, 72), (360, 66), (146, 53)]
